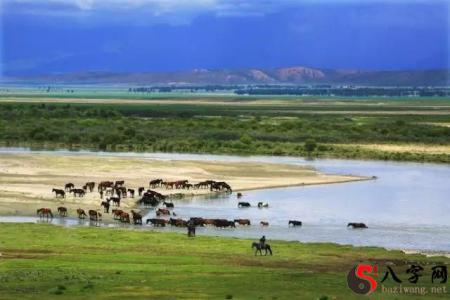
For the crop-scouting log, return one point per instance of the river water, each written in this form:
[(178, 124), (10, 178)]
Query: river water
[(406, 207)]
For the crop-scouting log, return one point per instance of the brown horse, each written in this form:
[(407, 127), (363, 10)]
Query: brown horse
[(264, 223), (137, 218), (59, 193), (90, 186), (45, 213), (69, 186), (81, 214), (117, 213), (62, 211), (125, 217), (105, 205), (242, 221), (157, 222), (94, 215)]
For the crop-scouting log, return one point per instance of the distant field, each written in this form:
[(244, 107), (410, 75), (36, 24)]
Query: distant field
[(234, 125), (40, 261)]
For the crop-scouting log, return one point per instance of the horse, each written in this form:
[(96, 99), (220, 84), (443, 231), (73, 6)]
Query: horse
[(178, 222), (155, 183), (117, 213), (94, 215), (62, 211), (115, 201), (125, 217), (141, 190), (244, 204), (261, 204), (104, 184), (168, 204), (220, 186), (59, 192), (137, 218), (196, 221), (81, 214), (162, 211), (357, 225), (156, 222), (119, 183), (131, 191), (221, 223), (258, 248), (69, 186), (44, 212), (239, 195), (79, 192), (90, 185), (242, 221), (294, 223), (264, 223), (105, 205)]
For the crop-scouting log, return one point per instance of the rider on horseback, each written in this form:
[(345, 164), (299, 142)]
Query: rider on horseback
[(262, 241)]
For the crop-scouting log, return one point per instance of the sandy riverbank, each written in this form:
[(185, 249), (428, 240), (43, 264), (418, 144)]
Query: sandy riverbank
[(26, 180)]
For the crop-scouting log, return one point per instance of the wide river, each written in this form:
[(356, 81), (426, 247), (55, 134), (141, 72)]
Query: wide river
[(407, 207)]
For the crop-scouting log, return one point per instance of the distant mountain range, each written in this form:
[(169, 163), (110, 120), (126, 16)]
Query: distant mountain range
[(288, 75)]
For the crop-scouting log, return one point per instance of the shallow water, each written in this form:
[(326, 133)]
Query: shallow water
[(407, 207)]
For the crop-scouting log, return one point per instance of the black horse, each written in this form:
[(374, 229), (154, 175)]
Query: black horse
[(259, 247), (59, 193), (244, 204), (295, 223), (357, 225)]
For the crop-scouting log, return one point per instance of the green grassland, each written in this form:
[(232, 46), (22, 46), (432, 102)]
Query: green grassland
[(40, 261), (305, 127)]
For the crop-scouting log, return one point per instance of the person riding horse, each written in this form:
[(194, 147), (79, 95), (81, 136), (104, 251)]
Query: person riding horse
[(262, 241)]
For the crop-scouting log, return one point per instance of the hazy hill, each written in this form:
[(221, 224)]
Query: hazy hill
[(288, 75)]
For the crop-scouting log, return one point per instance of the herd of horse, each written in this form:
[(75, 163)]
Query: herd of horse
[(111, 193)]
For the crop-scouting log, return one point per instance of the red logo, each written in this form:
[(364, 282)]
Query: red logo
[(361, 280)]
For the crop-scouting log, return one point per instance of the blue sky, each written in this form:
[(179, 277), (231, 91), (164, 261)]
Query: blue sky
[(57, 36)]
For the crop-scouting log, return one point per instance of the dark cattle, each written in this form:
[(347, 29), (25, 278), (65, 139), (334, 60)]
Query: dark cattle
[(131, 191), (81, 214), (357, 225), (244, 204), (157, 222), (105, 205), (62, 211), (168, 204), (242, 221), (79, 192), (94, 215), (44, 213), (264, 223), (69, 186), (137, 218), (162, 211), (59, 193), (294, 223)]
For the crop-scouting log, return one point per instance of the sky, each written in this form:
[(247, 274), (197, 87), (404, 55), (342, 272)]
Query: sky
[(59, 36)]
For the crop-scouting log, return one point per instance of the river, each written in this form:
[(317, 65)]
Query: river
[(406, 207)]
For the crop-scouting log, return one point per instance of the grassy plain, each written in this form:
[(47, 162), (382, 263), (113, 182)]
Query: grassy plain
[(40, 261)]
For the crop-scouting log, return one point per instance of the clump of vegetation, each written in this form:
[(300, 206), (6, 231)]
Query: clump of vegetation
[(222, 129)]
